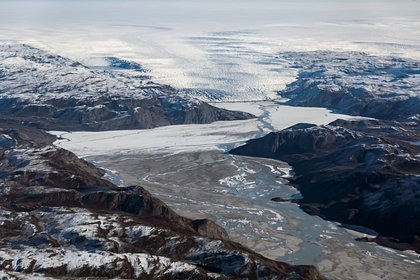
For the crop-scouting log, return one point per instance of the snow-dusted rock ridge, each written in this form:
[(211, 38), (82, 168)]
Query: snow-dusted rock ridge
[(57, 93), (356, 83)]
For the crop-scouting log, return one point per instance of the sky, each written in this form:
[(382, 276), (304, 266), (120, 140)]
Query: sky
[(212, 14)]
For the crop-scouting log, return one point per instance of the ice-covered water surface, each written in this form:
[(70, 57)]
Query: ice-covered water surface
[(218, 50), (196, 137)]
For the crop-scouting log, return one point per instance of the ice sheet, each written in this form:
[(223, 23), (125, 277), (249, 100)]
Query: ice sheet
[(218, 49)]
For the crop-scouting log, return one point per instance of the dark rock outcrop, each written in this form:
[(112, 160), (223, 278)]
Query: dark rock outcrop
[(362, 172)]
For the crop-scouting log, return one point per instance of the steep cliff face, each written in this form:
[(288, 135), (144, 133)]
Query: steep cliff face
[(356, 83), (55, 93), (59, 217), (362, 172)]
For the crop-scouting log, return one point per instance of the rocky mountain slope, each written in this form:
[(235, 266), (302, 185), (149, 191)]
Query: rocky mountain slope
[(356, 83), (59, 217), (53, 92), (361, 172)]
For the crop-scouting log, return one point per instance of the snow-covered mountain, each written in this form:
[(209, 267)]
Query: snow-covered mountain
[(356, 83), (54, 92)]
